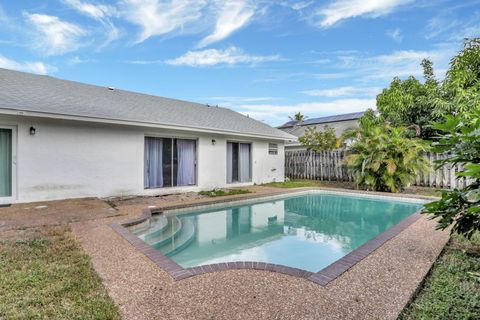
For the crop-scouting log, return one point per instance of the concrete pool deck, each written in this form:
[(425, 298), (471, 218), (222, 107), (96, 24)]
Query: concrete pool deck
[(377, 287)]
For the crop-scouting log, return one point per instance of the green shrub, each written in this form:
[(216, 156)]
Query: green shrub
[(460, 207), (460, 135), (223, 192), (383, 158)]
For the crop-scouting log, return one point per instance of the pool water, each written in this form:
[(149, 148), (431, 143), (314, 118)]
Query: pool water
[(308, 231)]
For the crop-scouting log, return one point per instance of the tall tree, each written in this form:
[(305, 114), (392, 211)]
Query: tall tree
[(428, 72), (462, 82), (460, 136), (410, 103), (318, 141), (416, 105)]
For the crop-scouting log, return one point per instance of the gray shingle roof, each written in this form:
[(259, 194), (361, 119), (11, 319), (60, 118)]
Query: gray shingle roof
[(335, 118), (35, 93)]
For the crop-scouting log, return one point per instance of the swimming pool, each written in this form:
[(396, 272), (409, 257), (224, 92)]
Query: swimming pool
[(308, 231)]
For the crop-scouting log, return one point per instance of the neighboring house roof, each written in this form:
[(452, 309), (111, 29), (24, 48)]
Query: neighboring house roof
[(45, 96), (336, 118), (340, 123)]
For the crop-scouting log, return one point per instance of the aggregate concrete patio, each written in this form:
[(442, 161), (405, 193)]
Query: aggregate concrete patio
[(378, 287)]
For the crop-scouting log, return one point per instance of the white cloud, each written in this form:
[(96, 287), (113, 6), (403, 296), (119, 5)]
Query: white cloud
[(211, 57), (401, 63), (277, 114), (402, 56), (231, 16), (439, 25), (78, 60), (232, 102), (319, 61), (339, 10), (26, 66), (3, 16), (395, 34), (343, 92), (157, 17), (284, 77), (95, 11), (243, 99), (54, 35), (301, 5), (337, 75), (144, 61), (449, 27), (99, 12)]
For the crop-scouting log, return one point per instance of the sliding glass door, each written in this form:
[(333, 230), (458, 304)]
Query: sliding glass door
[(169, 162), (239, 164), (6, 158)]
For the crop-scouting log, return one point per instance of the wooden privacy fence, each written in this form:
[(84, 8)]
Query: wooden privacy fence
[(329, 166)]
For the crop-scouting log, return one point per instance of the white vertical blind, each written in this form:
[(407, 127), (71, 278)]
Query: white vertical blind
[(153, 162), (186, 162), (229, 162), (244, 173)]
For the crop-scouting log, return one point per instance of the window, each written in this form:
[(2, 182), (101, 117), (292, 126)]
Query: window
[(239, 166), (272, 148), (169, 162)]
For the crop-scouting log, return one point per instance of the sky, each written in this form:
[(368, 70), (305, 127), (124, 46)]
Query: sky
[(265, 58)]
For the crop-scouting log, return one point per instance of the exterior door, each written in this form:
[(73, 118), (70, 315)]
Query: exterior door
[(7, 164)]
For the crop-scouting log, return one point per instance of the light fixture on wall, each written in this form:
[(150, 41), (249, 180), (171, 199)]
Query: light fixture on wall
[(32, 131), (214, 142)]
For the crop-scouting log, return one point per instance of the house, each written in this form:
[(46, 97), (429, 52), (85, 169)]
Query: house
[(61, 139), (340, 123)]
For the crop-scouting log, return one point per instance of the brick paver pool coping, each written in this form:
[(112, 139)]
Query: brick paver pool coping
[(322, 277)]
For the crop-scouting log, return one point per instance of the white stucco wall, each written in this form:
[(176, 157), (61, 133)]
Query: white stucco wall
[(72, 159), (211, 227), (262, 211)]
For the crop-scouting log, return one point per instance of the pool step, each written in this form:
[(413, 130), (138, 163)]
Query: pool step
[(158, 225), (171, 231), (182, 240), (141, 228)]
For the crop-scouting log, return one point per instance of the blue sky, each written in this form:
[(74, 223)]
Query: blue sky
[(268, 59)]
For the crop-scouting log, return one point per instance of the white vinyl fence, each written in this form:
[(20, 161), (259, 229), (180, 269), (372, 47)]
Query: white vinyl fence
[(329, 166)]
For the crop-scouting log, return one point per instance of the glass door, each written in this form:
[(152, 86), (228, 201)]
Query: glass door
[(6, 164), (239, 162), (170, 162)]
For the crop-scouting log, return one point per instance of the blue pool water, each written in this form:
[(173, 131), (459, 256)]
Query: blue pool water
[(308, 231)]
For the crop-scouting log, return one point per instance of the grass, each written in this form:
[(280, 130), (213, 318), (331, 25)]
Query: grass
[(47, 275), (304, 183), (452, 290), (423, 191), (296, 184), (222, 192)]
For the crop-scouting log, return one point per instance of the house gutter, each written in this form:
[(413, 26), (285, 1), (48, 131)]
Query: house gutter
[(38, 114)]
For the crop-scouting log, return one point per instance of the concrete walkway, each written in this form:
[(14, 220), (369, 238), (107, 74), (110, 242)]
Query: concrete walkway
[(378, 287)]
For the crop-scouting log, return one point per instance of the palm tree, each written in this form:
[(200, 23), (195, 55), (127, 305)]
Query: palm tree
[(298, 117), (383, 158)]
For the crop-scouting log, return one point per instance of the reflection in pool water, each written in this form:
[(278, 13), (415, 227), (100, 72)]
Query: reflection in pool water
[(309, 231)]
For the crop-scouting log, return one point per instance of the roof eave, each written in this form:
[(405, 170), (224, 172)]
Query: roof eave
[(26, 113)]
